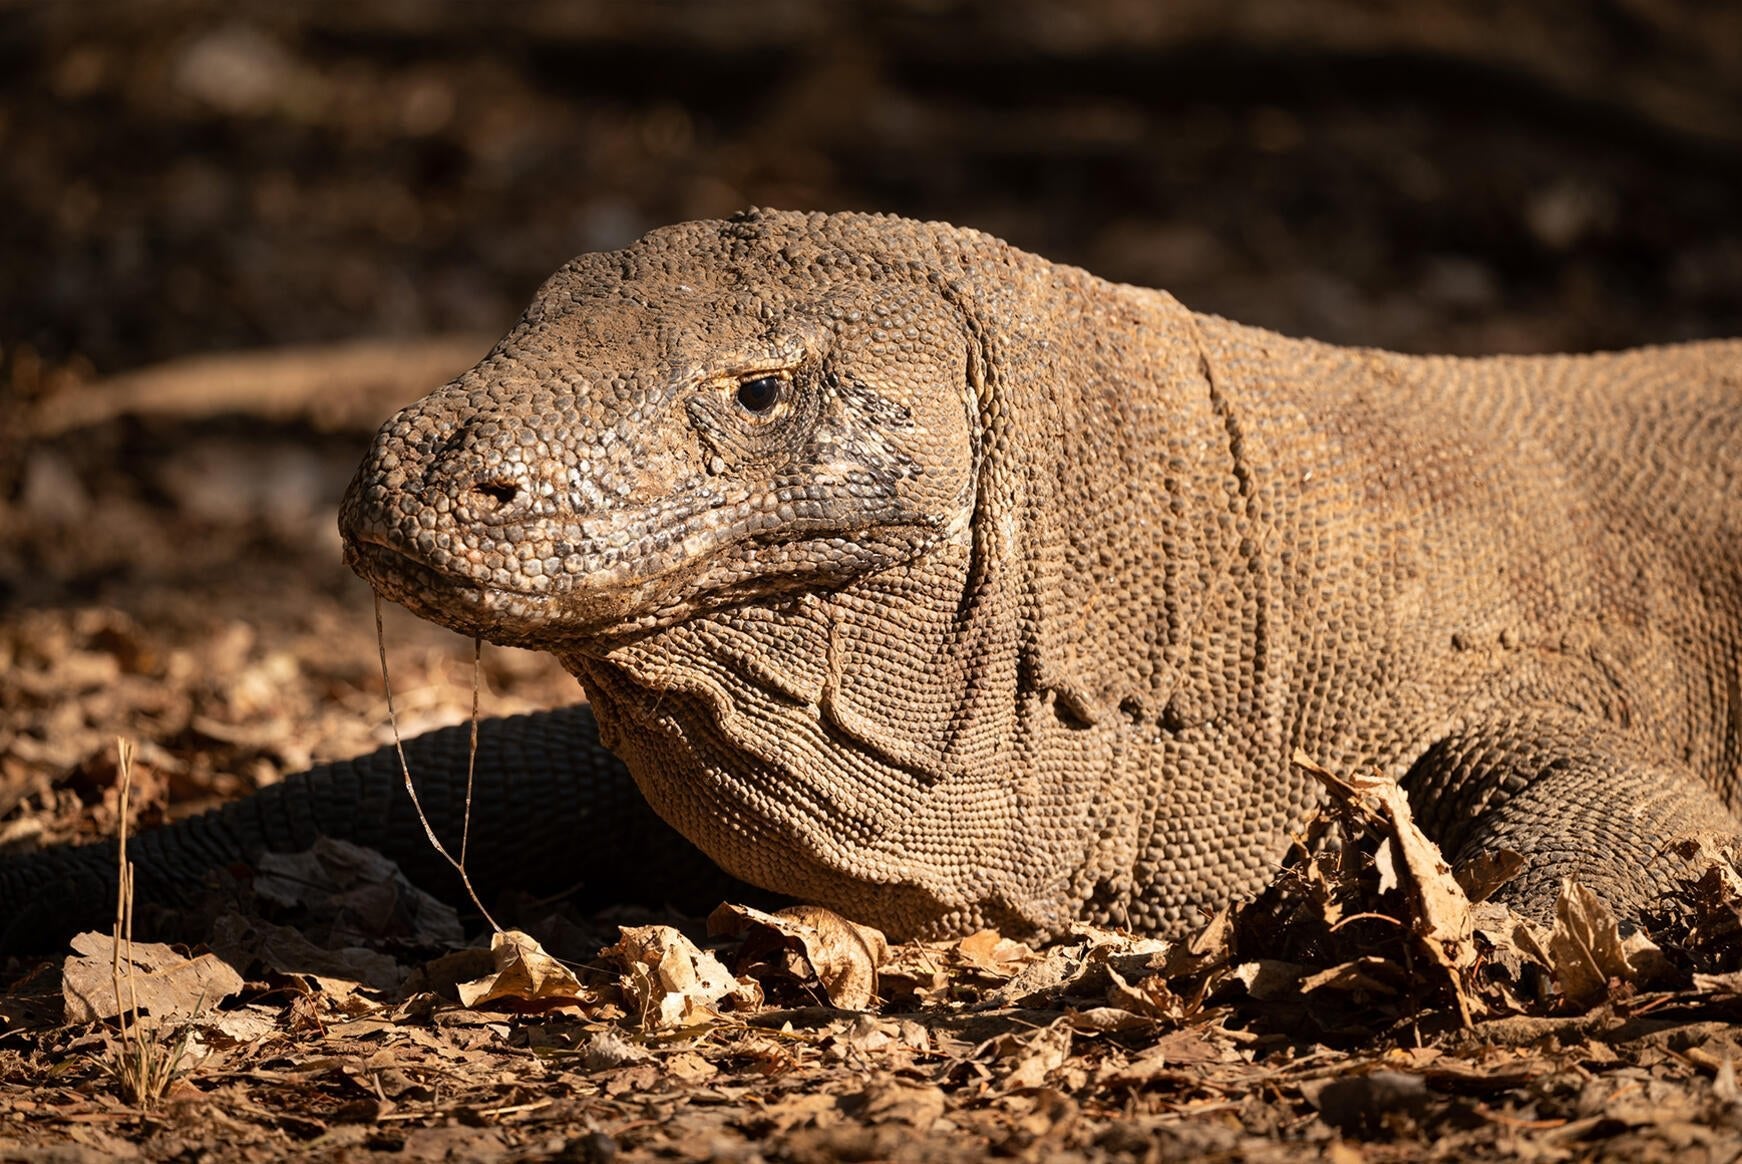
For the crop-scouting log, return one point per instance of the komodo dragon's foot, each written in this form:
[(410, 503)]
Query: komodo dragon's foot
[(1576, 799)]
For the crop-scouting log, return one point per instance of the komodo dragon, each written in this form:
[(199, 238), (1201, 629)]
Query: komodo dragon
[(916, 576)]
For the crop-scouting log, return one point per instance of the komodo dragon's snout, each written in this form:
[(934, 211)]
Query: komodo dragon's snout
[(651, 444), (922, 578)]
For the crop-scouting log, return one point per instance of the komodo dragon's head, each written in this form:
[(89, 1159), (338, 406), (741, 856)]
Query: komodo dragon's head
[(735, 476), (721, 412)]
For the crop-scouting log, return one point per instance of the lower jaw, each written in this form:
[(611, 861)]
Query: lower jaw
[(464, 607)]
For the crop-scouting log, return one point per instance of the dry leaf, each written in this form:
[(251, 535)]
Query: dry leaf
[(1050, 972), (162, 982), (1172, 1051), (1439, 908), (1486, 872), (1586, 949), (243, 941), (1268, 979), (892, 1100), (1373, 975), (1032, 1057), (523, 973), (671, 982), (607, 1049), (354, 896), (1207, 949), (842, 956), (688, 1067), (1150, 996), (993, 955)]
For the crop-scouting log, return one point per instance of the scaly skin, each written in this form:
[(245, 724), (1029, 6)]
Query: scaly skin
[(916, 576)]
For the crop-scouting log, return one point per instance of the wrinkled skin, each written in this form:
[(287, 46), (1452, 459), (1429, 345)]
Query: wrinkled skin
[(927, 580)]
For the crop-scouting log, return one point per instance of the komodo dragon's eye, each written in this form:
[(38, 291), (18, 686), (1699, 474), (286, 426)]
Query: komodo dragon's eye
[(760, 393)]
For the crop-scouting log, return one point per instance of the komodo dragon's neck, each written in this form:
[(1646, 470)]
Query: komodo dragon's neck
[(1102, 613)]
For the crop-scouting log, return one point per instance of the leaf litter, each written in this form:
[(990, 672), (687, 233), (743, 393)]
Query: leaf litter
[(1366, 1005), (1362, 1007)]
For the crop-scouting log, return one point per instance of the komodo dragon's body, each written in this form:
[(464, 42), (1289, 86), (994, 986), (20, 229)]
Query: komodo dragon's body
[(922, 578)]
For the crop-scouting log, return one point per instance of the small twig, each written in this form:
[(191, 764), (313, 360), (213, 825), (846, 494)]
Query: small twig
[(472, 749), (1355, 917), (411, 788)]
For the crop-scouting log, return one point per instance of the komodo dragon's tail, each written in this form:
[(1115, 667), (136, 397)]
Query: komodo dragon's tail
[(552, 810)]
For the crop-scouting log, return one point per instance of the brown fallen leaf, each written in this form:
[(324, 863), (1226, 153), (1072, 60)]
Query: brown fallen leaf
[(993, 955), (1269, 979), (842, 956), (888, 1099), (1172, 1052), (1715, 931), (164, 984), (1369, 975), (1586, 949), (1485, 873), (671, 982), (689, 1067), (340, 973), (1149, 997), (523, 973), (1100, 1020), (1438, 907), (1030, 1058), (354, 896)]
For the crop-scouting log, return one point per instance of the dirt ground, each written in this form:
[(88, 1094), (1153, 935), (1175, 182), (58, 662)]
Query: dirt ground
[(342, 203)]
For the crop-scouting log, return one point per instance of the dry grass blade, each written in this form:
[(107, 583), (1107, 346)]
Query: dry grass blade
[(459, 863), (145, 1063)]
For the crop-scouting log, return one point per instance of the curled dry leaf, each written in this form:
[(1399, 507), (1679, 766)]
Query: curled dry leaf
[(892, 1100), (340, 972), (671, 982), (1149, 997), (1211, 947), (1715, 899), (1030, 1058), (1486, 872), (993, 955), (523, 973), (1367, 975), (355, 896), (1587, 952), (162, 982), (1517, 963), (1439, 909), (841, 956)]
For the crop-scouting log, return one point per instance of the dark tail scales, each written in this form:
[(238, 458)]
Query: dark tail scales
[(552, 810)]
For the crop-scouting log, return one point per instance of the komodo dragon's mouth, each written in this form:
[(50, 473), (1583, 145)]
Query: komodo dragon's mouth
[(609, 601), (459, 603)]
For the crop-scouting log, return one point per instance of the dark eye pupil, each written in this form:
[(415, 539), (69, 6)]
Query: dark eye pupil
[(759, 395)]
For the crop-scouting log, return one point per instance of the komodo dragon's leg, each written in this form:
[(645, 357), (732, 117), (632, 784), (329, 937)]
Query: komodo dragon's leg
[(551, 810), (1572, 796)]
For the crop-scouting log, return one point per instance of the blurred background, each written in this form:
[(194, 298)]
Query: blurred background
[(266, 179)]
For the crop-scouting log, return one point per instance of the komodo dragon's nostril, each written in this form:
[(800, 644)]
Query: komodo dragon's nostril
[(496, 494)]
